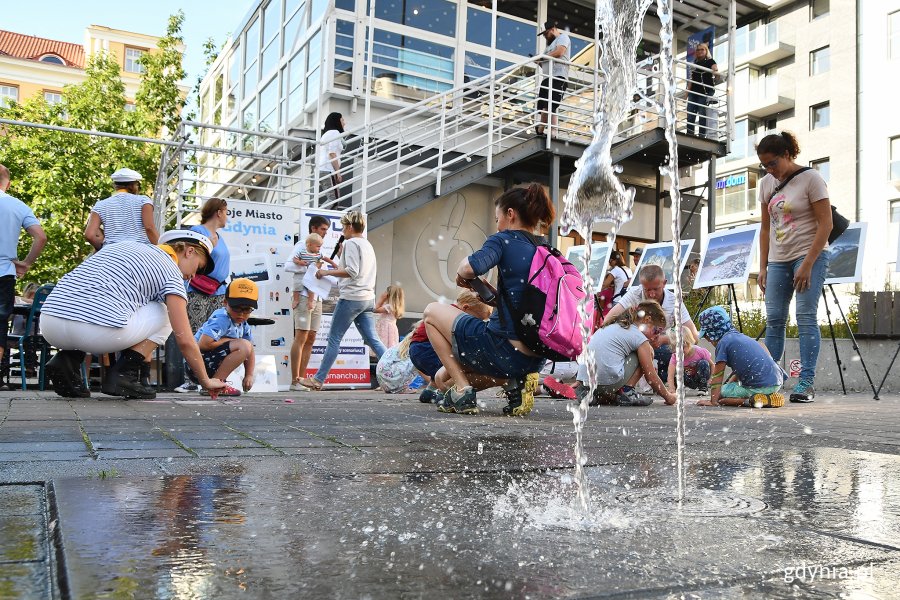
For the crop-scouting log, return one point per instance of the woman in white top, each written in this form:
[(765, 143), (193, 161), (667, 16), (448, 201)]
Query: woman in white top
[(127, 297), (356, 274), (126, 215), (329, 158), (618, 274)]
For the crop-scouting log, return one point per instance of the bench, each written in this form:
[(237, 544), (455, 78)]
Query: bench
[(879, 315)]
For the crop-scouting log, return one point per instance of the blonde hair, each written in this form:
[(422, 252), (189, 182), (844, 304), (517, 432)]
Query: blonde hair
[(687, 337), (467, 297), (405, 343), (315, 238), (646, 309), (354, 220), (397, 299)]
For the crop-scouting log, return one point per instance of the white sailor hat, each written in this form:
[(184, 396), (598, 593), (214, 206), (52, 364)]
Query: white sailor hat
[(125, 176), (191, 237)]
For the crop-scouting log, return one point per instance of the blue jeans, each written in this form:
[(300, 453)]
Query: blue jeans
[(698, 111), (359, 312), (700, 379), (779, 291), (662, 356)]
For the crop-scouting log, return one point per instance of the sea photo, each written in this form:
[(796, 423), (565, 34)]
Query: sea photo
[(845, 256), (728, 257), (663, 255), (600, 252)]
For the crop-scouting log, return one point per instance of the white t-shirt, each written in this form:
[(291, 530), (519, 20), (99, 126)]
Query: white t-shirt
[(635, 296), (112, 284), (330, 143), (621, 276), (358, 258), (121, 217), (792, 221), (612, 345), (559, 69)]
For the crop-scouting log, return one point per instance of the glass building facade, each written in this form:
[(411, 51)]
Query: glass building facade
[(286, 55)]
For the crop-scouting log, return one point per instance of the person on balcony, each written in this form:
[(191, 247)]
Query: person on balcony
[(558, 47), (329, 158), (126, 215), (700, 90)]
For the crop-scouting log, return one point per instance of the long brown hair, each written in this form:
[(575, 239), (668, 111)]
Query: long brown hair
[(647, 308), (211, 207), (531, 203)]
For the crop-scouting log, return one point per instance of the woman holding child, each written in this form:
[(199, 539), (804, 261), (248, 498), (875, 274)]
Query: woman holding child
[(479, 354), (796, 223)]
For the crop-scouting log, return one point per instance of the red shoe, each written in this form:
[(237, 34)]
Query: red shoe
[(225, 391), (558, 389)]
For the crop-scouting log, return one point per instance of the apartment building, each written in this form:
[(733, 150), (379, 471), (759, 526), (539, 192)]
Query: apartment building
[(32, 66)]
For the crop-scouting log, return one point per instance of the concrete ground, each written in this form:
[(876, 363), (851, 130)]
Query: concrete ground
[(362, 494)]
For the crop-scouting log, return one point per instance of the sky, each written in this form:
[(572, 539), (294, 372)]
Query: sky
[(66, 20)]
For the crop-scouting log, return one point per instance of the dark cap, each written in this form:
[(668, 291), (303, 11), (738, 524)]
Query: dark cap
[(547, 27), (636, 252)]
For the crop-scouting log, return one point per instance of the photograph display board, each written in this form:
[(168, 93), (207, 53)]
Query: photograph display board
[(728, 257), (663, 255), (845, 256), (260, 237), (600, 253), (351, 369)]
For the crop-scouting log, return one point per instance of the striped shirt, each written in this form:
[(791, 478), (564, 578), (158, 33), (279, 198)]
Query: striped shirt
[(112, 284), (121, 217)]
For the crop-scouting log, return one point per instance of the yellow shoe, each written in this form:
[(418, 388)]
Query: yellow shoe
[(521, 399), (773, 400)]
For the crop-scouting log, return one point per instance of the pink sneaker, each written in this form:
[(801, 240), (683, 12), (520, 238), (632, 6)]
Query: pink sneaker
[(558, 389)]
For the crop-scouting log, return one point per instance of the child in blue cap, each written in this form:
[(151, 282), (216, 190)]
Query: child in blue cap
[(756, 379)]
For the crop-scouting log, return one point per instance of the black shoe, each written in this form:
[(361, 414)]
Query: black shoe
[(445, 404), (521, 399), (465, 404), (430, 395), (64, 373), (145, 375), (123, 379), (804, 392)]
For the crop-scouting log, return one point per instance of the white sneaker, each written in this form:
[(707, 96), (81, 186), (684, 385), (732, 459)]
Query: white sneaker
[(298, 387), (187, 387), (703, 393)]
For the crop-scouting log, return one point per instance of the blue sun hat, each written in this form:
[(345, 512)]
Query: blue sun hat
[(714, 323)]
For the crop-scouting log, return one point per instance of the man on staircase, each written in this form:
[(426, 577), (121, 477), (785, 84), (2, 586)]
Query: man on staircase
[(551, 92)]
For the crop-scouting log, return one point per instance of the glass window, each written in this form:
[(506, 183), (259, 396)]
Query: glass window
[(317, 9), (271, 20), (894, 34), (819, 61), (512, 36), (251, 77), (248, 117), (819, 8), (820, 116), (270, 57), (290, 6), (132, 58), (52, 58), (823, 166), (295, 27), (312, 85), (343, 69), (345, 4), (251, 42), (268, 106), (52, 97), (234, 67), (8, 94), (296, 71), (578, 45), (479, 65), (438, 16), (895, 211), (895, 159)]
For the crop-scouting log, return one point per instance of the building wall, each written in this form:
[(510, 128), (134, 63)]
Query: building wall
[(879, 121)]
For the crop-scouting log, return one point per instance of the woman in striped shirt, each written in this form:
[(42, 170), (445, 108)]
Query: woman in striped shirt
[(125, 215), (128, 297)]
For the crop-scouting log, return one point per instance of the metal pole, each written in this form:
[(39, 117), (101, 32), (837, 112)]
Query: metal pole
[(729, 87), (370, 47), (837, 356), (711, 196), (554, 196), (491, 99), (737, 309)]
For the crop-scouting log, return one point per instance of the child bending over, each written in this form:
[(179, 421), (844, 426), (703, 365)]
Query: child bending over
[(698, 363)]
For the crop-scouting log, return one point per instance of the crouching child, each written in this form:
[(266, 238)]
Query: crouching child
[(756, 379), (225, 340)]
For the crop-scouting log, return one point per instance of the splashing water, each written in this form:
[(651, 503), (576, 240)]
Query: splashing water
[(670, 170), (595, 193)]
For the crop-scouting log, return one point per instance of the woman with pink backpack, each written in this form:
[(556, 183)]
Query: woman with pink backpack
[(479, 354)]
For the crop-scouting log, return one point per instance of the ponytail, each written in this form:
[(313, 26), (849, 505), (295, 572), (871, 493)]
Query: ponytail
[(780, 144), (532, 204)]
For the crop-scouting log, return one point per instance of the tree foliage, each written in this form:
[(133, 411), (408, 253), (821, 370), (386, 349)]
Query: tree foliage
[(61, 175)]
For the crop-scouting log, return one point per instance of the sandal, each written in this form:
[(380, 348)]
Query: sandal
[(311, 382)]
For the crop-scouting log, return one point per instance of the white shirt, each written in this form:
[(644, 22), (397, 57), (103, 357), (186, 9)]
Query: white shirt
[(121, 217), (559, 69), (635, 296), (112, 284), (358, 258), (621, 276), (330, 143)]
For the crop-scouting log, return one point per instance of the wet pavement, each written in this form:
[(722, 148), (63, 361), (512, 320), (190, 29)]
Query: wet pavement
[(354, 494)]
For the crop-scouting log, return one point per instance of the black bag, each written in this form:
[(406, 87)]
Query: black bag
[(839, 223)]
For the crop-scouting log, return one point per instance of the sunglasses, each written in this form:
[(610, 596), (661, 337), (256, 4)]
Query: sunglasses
[(769, 165)]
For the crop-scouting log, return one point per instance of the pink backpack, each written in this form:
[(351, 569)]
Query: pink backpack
[(547, 320)]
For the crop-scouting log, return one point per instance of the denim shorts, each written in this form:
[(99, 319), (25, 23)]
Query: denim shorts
[(424, 358), (212, 360), (480, 350)]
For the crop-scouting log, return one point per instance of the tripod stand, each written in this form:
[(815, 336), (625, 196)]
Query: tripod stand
[(852, 339), (732, 304), (886, 373)]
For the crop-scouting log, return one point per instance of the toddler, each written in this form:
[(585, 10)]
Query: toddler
[(756, 379), (310, 253), (697, 363)]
